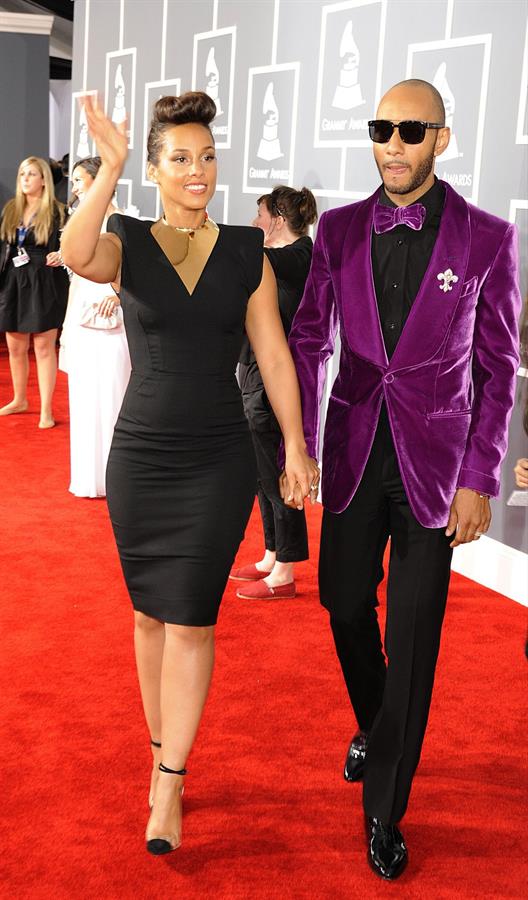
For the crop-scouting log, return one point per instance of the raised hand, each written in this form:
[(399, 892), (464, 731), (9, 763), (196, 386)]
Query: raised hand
[(111, 139)]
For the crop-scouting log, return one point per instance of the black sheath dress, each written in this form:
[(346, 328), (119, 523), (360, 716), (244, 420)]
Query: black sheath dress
[(181, 474), (33, 298)]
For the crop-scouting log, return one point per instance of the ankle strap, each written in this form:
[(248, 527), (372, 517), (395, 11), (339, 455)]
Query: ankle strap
[(166, 769), (155, 743)]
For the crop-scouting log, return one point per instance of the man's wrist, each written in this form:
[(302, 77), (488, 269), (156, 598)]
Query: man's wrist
[(475, 491)]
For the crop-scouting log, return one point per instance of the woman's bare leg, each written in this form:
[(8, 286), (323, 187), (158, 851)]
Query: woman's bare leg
[(18, 346), (149, 641), (46, 357), (188, 658)]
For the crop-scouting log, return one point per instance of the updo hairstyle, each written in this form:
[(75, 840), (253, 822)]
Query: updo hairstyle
[(298, 208), (193, 107)]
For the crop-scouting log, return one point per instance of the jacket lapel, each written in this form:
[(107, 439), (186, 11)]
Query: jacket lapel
[(433, 308), (358, 296)]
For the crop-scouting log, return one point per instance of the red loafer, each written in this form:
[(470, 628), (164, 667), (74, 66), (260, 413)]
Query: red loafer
[(261, 591), (247, 573)]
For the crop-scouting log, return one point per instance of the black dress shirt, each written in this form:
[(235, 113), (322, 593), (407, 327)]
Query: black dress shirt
[(399, 260)]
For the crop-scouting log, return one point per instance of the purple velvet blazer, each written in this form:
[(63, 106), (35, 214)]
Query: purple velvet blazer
[(449, 386)]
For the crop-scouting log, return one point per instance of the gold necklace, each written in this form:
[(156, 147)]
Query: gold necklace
[(186, 230)]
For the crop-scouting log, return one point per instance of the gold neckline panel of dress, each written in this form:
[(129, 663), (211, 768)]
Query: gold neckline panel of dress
[(188, 253)]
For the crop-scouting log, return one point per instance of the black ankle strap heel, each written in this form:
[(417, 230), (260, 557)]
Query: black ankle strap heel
[(166, 769), (160, 845), (155, 743)]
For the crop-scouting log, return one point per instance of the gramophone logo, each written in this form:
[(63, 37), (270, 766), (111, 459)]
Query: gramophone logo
[(459, 69), (213, 77), (441, 84), (120, 89), (83, 146), (269, 147), (349, 71), (348, 92), (119, 110), (213, 71), (271, 122)]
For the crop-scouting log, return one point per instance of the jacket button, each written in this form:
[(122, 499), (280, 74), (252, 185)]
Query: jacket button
[(388, 379)]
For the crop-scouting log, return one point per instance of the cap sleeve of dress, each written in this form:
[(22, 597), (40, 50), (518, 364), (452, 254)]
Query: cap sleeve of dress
[(115, 225), (253, 257)]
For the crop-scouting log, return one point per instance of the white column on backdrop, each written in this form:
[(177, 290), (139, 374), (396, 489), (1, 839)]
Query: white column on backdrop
[(60, 117)]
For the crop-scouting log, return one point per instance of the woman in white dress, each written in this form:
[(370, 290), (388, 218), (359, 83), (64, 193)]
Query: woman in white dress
[(94, 353)]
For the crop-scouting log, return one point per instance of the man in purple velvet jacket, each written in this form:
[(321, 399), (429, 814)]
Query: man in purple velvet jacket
[(423, 288)]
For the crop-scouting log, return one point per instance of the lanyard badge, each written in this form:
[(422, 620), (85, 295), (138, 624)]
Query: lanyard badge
[(22, 258)]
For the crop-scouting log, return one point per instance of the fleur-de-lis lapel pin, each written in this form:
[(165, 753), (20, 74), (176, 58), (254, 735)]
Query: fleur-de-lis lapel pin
[(447, 279)]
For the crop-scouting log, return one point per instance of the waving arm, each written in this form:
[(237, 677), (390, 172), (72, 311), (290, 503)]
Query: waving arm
[(84, 249)]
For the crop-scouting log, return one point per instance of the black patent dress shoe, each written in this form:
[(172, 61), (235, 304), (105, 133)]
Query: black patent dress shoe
[(386, 851), (355, 761)]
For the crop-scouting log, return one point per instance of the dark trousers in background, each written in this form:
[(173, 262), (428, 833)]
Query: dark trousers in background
[(285, 529), (390, 701)]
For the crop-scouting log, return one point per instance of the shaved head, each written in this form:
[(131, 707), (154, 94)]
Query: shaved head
[(407, 169), (435, 104)]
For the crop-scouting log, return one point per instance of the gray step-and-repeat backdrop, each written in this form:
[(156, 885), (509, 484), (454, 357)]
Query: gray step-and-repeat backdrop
[(295, 82)]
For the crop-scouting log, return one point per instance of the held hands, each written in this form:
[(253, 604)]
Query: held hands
[(469, 517), (111, 140), (300, 479)]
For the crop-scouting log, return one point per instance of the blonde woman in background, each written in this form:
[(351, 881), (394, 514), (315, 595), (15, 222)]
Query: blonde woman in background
[(33, 284), (94, 353)]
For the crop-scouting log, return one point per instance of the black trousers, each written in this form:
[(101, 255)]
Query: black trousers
[(285, 529), (390, 699)]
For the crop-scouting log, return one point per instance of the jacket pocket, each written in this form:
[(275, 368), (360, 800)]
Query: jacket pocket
[(448, 413), (339, 400)]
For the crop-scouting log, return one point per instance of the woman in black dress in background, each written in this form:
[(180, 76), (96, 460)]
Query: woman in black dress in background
[(33, 284), (284, 216), (181, 473)]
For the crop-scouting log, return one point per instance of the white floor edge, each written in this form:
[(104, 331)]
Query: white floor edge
[(495, 566)]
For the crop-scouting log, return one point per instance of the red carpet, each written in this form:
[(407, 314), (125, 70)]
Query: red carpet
[(267, 814)]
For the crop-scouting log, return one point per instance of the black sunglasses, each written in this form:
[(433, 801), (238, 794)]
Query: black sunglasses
[(411, 131)]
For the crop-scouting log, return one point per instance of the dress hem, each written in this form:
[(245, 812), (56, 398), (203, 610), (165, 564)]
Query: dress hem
[(145, 608)]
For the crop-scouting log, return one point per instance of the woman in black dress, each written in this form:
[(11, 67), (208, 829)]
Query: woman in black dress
[(284, 216), (181, 474), (33, 284)]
